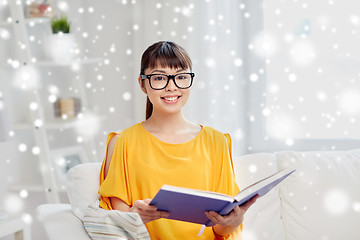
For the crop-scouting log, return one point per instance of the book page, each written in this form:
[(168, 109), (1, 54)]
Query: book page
[(265, 184), (196, 192)]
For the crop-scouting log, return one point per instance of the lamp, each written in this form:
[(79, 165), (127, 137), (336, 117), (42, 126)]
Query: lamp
[(4, 136)]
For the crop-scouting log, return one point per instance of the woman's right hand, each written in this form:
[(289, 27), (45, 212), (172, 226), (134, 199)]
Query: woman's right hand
[(147, 212)]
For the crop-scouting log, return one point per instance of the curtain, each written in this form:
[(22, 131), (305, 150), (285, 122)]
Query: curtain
[(214, 33)]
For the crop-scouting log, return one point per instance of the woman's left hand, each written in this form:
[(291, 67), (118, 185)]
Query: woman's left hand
[(231, 221)]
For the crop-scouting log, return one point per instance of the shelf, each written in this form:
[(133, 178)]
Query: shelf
[(65, 124), (31, 188), (49, 63), (37, 20), (19, 32), (59, 123), (14, 225), (28, 21)]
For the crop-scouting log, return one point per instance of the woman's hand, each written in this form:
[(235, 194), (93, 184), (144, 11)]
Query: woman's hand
[(147, 212), (229, 223)]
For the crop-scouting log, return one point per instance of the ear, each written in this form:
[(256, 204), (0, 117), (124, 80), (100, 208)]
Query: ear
[(142, 84)]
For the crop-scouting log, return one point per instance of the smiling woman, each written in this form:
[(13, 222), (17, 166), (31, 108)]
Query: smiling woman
[(167, 148)]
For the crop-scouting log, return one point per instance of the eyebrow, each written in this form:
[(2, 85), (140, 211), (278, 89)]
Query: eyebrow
[(162, 71)]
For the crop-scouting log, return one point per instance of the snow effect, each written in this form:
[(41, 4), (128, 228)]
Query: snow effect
[(35, 150), (27, 78), (23, 193), (4, 34), (22, 147), (13, 203), (336, 201), (265, 45), (127, 96), (302, 52), (349, 102), (253, 168), (319, 51), (88, 125), (310, 75)]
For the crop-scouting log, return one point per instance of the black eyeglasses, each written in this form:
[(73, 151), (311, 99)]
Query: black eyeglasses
[(160, 81)]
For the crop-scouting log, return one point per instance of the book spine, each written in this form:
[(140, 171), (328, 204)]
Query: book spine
[(228, 208)]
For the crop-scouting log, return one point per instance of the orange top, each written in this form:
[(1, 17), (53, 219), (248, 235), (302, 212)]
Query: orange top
[(141, 164)]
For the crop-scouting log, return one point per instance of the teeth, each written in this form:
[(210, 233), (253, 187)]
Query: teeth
[(171, 98)]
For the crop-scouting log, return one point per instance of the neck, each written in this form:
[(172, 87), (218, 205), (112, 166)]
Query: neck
[(167, 122)]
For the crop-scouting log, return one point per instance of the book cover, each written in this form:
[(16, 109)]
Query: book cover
[(190, 205)]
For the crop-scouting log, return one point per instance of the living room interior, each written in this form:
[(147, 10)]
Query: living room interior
[(281, 77)]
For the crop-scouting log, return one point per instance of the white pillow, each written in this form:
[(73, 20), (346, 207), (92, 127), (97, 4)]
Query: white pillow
[(263, 219), (82, 186), (321, 199)]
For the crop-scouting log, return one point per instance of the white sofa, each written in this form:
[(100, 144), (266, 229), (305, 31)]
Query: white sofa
[(320, 201)]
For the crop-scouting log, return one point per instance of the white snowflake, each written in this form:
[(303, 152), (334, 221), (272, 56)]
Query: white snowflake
[(336, 201)]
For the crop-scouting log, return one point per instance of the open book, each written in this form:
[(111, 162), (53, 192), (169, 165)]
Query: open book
[(190, 205)]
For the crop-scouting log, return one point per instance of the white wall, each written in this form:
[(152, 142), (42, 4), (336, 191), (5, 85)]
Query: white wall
[(213, 33)]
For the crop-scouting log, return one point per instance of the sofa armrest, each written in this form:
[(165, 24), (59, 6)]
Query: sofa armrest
[(60, 223)]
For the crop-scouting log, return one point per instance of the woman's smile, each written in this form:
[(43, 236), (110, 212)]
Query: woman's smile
[(171, 99)]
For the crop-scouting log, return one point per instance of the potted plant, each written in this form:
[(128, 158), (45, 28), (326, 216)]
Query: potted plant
[(60, 25), (61, 42)]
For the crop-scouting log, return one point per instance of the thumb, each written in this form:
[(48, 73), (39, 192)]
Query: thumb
[(246, 205), (147, 200)]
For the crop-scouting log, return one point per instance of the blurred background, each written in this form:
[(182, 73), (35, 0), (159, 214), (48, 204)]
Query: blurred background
[(274, 74)]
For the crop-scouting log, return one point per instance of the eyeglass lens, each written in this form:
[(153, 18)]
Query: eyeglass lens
[(181, 80)]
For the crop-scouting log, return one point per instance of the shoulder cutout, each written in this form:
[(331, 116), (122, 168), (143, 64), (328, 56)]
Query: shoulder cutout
[(109, 153)]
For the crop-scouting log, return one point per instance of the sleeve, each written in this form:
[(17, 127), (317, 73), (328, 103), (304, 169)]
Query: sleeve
[(116, 183), (227, 182)]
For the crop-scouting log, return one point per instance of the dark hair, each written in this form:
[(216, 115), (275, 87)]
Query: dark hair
[(165, 54)]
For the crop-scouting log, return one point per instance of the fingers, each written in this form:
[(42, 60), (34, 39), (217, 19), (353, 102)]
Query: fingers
[(248, 204), (215, 217), (147, 212), (144, 205), (235, 217)]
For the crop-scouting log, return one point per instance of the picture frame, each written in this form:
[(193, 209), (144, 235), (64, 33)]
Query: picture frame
[(66, 158), (40, 9)]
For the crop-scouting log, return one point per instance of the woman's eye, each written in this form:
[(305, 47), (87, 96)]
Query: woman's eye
[(158, 78), (182, 77)]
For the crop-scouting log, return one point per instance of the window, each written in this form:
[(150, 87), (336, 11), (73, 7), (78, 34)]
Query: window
[(312, 52)]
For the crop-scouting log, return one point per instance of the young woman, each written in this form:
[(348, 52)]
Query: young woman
[(166, 148)]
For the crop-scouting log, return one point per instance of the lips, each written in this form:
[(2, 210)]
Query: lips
[(170, 99)]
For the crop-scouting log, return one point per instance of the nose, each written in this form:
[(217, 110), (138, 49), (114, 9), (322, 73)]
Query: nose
[(171, 85)]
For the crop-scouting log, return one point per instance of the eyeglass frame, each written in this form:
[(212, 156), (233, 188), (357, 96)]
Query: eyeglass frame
[(192, 75)]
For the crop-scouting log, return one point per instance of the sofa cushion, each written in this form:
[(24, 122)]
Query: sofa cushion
[(82, 186), (249, 169), (60, 223), (321, 199)]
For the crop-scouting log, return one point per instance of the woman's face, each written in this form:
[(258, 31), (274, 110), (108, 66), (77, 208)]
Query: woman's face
[(169, 100)]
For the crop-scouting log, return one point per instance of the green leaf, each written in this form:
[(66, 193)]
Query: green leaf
[(60, 24)]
